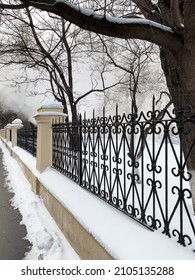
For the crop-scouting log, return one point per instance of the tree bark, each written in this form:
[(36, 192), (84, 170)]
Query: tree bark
[(180, 79), (74, 112)]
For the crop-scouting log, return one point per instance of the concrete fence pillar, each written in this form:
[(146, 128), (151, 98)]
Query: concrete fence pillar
[(15, 125), (2, 132), (46, 115), (7, 132)]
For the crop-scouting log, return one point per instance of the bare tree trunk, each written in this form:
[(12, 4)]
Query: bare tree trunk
[(180, 79), (74, 112)]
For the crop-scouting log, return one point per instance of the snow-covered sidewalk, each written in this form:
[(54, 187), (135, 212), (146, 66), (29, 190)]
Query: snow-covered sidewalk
[(122, 237), (48, 242)]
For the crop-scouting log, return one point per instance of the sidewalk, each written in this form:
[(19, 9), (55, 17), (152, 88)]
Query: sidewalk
[(12, 243)]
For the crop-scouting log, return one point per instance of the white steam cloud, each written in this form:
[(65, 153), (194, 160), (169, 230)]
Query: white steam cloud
[(17, 99), (18, 103)]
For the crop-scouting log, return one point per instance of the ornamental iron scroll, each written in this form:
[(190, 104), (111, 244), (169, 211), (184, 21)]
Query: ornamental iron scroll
[(135, 163)]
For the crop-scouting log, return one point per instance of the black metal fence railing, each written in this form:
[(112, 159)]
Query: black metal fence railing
[(27, 139), (66, 149), (136, 164)]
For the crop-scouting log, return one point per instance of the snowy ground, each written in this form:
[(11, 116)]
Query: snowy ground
[(123, 238), (47, 240)]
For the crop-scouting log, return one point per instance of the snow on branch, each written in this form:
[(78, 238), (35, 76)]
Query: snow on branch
[(126, 28), (115, 20)]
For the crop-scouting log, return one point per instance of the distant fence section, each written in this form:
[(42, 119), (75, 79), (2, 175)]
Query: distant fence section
[(135, 163), (27, 139)]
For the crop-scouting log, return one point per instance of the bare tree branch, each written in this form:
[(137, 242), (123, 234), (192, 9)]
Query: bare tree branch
[(110, 26)]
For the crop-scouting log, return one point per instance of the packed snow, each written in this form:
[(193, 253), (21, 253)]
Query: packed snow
[(122, 237)]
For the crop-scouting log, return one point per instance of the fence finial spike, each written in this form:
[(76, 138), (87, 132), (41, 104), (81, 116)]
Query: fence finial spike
[(104, 111), (153, 102), (116, 109)]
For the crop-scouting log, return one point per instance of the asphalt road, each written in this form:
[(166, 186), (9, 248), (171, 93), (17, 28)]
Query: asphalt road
[(13, 244)]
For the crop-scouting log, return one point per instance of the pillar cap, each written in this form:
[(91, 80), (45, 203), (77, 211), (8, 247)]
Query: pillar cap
[(50, 114), (17, 123)]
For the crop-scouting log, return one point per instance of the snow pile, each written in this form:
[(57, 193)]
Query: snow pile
[(17, 121), (51, 104), (47, 241)]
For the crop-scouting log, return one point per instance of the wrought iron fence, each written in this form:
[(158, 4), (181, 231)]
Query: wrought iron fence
[(66, 149), (136, 164), (27, 139)]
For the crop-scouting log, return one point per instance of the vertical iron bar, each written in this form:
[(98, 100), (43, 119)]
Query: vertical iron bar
[(166, 223), (153, 166), (124, 170), (104, 152), (84, 142), (80, 168), (89, 152), (181, 172), (110, 162), (98, 155), (93, 149), (133, 157), (143, 212), (117, 155)]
